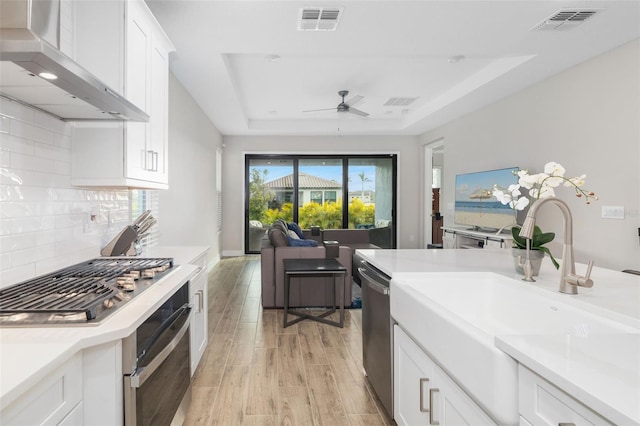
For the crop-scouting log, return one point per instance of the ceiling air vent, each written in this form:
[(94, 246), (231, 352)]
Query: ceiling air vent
[(565, 19), (399, 101), (319, 19)]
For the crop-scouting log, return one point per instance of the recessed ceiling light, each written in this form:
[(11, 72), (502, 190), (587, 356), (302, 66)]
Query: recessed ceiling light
[(48, 76), (272, 58), (456, 59)]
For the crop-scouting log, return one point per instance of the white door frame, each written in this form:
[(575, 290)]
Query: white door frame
[(429, 148)]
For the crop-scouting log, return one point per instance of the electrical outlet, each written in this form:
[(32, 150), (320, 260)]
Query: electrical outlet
[(613, 212)]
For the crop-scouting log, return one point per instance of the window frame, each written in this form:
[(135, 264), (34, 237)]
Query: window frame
[(295, 158)]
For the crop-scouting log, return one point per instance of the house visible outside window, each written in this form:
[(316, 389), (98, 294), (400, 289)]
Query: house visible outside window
[(330, 196), (316, 197)]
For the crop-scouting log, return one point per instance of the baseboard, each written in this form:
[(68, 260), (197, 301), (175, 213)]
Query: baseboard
[(232, 253)]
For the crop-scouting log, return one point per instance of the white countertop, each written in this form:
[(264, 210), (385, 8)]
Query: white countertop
[(602, 371), (28, 354)]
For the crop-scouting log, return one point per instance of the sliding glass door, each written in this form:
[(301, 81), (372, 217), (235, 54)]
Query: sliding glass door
[(332, 192)]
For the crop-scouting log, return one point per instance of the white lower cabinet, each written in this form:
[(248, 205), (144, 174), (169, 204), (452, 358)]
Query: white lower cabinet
[(199, 323), (56, 399), (542, 403), (424, 394)]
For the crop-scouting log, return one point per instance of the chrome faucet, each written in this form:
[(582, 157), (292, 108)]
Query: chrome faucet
[(569, 280)]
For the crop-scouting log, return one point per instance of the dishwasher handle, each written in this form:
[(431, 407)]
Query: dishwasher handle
[(373, 284)]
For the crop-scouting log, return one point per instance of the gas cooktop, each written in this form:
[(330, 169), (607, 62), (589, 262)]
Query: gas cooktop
[(85, 293)]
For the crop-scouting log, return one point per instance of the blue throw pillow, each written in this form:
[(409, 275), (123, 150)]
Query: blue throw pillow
[(294, 242), (295, 228)]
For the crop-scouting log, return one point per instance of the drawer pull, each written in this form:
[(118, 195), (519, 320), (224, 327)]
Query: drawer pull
[(431, 392), (566, 424), (422, 409)]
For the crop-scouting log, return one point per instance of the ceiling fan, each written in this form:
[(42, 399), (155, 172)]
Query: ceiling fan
[(346, 106)]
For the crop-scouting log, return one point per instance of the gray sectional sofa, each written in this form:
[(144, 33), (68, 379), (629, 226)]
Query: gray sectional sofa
[(314, 291)]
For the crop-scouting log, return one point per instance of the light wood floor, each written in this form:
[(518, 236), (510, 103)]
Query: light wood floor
[(257, 373)]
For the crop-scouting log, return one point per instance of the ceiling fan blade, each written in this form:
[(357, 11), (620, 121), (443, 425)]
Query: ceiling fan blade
[(316, 110), (354, 100), (358, 112)]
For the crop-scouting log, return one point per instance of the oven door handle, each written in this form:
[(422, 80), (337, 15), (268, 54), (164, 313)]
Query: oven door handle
[(140, 375)]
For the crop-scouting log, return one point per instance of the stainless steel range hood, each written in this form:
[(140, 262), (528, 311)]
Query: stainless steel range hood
[(29, 47)]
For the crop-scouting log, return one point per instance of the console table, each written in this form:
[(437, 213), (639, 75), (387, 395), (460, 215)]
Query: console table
[(322, 267), (455, 237)]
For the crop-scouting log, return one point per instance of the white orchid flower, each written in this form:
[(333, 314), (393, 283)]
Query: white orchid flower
[(501, 196), (514, 190), (529, 181), (543, 192), (520, 204), (553, 181), (554, 169), (575, 181)]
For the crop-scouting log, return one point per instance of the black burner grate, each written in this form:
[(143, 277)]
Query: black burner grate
[(77, 289)]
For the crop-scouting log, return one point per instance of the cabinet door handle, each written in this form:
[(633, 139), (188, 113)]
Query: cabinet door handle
[(155, 161), (148, 161), (566, 424), (431, 392), (422, 382), (200, 294)]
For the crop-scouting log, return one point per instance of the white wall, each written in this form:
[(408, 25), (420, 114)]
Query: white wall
[(587, 119), (233, 176), (45, 222), (189, 207)]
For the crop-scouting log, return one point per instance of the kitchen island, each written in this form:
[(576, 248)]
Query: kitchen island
[(595, 367), (29, 355)]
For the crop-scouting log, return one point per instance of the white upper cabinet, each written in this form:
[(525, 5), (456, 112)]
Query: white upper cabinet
[(131, 154)]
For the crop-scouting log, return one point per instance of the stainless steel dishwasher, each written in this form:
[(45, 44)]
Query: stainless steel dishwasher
[(377, 338)]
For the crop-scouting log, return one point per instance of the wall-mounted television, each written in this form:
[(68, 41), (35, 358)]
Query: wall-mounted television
[(475, 205)]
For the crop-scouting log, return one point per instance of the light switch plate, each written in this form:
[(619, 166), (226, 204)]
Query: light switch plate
[(613, 212)]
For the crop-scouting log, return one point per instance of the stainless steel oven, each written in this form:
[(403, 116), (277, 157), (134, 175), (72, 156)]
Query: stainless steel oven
[(155, 360)]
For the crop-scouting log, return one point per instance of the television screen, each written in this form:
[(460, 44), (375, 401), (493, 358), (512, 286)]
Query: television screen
[(475, 204)]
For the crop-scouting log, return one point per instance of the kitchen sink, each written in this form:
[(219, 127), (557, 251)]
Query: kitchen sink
[(456, 317)]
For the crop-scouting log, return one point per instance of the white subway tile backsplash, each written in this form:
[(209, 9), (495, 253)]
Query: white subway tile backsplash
[(5, 261), (52, 180), (16, 275), (51, 123), (32, 224), (16, 111), (29, 162), (15, 177), (5, 159), (15, 242), (10, 210), (32, 132), (45, 222), (51, 152), (63, 168), (14, 144), (62, 141), (5, 227), (32, 255), (5, 124)]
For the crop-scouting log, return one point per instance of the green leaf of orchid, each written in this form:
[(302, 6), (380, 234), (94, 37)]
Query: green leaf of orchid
[(546, 251), (543, 238)]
